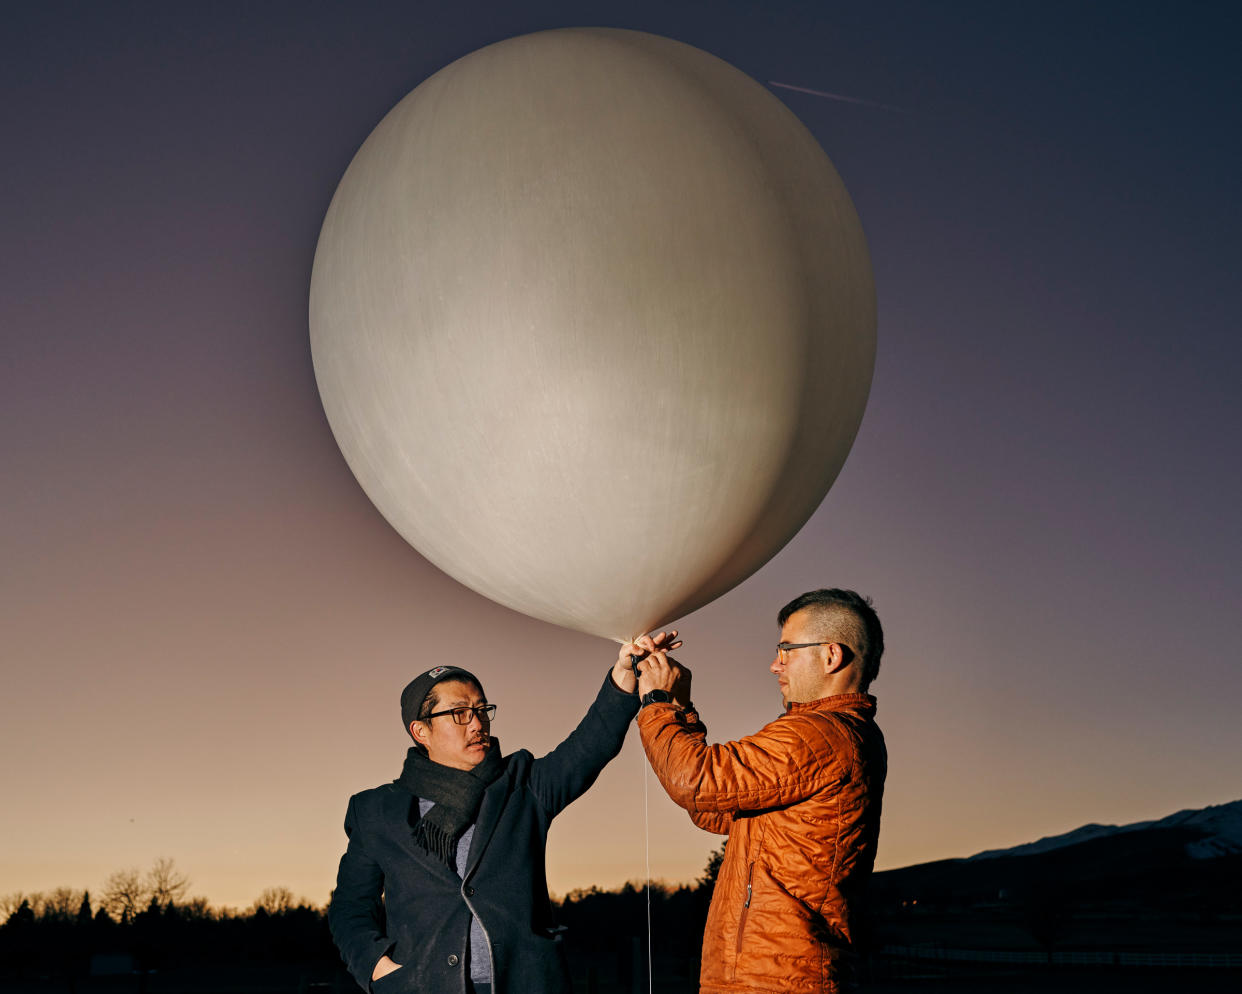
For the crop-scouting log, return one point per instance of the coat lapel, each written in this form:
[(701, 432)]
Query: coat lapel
[(489, 815)]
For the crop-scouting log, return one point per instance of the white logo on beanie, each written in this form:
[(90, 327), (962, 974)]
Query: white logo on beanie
[(433, 673)]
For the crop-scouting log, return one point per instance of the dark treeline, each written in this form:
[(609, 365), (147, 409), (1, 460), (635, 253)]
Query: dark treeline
[(144, 923), (1136, 893), (161, 937), (606, 931), (64, 936)]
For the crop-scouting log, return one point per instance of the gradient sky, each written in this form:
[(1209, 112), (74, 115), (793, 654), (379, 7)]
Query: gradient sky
[(204, 625)]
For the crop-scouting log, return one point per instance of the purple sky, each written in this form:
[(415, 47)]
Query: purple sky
[(204, 625)]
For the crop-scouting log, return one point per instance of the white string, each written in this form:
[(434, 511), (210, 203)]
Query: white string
[(642, 758)]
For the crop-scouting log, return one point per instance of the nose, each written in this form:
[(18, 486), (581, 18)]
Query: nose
[(475, 721), (777, 663)]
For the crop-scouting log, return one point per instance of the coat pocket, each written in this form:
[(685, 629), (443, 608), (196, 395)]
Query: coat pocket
[(397, 982)]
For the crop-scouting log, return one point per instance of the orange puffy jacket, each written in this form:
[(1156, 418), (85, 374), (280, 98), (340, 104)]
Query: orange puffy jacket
[(800, 802)]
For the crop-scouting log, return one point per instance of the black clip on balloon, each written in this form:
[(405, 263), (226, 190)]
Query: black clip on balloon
[(634, 663)]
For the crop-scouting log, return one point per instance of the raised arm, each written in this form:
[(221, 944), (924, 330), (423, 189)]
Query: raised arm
[(567, 771), (784, 762), (766, 770), (564, 774)]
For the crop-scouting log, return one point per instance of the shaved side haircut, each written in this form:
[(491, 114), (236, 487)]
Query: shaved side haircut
[(846, 617)]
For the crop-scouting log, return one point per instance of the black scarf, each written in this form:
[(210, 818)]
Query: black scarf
[(457, 795)]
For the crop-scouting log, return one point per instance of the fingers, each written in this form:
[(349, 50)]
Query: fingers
[(667, 640), (655, 660), (649, 643), (657, 672), (655, 669), (634, 648), (650, 665)]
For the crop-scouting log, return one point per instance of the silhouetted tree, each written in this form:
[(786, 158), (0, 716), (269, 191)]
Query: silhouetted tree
[(197, 909), (23, 917), (707, 882), (125, 893), (60, 904), (10, 903), (275, 901), (165, 884), (34, 900), (17, 938)]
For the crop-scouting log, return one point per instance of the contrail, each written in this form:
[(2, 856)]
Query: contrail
[(838, 96)]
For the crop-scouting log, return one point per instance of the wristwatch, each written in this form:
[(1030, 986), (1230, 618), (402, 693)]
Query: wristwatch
[(656, 697)]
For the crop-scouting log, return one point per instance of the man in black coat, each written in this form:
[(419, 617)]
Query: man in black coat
[(442, 886)]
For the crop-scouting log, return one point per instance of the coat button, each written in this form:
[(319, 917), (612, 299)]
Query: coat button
[(469, 892), (453, 960)]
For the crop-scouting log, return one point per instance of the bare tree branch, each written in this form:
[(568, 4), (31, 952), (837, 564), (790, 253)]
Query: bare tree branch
[(275, 900), (166, 885), (62, 904), (125, 893)]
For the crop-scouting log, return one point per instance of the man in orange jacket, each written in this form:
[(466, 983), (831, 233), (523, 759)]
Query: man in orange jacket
[(799, 799)]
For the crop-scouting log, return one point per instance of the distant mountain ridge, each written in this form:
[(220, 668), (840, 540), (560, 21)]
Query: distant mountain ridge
[(1220, 826), (1172, 885), (1188, 863)]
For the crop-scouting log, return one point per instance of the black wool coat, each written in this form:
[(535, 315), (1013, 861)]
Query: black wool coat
[(393, 897)]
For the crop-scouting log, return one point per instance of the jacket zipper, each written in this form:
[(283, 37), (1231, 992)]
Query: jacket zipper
[(741, 924)]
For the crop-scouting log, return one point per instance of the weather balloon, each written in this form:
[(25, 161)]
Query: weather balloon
[(593, 323)]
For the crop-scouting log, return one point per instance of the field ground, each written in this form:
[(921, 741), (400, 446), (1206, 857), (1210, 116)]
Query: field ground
[(905, 980)]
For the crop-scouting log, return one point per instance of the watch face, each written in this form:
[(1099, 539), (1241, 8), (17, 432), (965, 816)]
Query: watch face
[(657, 697)]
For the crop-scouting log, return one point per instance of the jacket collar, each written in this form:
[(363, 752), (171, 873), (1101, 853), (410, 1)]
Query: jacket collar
[(837, 702)]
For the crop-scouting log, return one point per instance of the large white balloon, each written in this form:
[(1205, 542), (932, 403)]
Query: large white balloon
[(593, 322)]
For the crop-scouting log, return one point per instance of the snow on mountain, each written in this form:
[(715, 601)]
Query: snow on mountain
[(1221, 825)]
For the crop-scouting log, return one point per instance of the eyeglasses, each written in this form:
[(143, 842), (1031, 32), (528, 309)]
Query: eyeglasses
[(784, 647), (485, 712)]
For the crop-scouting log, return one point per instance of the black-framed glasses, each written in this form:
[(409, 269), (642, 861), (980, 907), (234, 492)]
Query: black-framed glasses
[(784, 647), (485, 712)]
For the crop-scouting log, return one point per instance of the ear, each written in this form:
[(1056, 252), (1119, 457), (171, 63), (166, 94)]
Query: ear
[(837, 659), (419, 731)]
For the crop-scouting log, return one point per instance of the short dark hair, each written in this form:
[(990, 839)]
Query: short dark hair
[(845, 616), (432, 700)]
